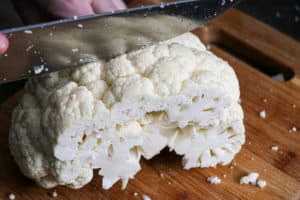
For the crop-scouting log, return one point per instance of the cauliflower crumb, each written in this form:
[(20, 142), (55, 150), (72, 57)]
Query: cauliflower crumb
[(28, 31), (75, 50), (261, 183), (161, 175), (146, 197), (244, 180), (38, 69), (278, 77), (293, 129), (54, 194), (250, 178), (135, 194), (274, 148), (253, 177), (214, 180), (29, 47), (11, 196), (262, 114)]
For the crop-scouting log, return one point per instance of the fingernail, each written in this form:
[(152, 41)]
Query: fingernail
[(108, 6)]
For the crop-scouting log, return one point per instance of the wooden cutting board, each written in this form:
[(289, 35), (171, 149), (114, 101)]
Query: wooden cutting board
[(244, 42)]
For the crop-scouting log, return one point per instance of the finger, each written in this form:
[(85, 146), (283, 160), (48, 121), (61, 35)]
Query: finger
[(107, 5), (66, 9), (3, 43)]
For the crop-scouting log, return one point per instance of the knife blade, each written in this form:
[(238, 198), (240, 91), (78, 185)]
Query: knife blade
[(57, 45)]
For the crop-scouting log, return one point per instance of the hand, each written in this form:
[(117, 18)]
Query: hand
[(3, 44), (70, 8)]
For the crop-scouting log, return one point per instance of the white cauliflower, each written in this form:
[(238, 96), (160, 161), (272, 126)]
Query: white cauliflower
[(106, 115)]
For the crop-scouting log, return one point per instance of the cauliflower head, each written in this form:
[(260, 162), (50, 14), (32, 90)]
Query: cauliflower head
[(107, 115)]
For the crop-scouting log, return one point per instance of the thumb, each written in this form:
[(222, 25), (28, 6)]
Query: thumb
[(3, 43)]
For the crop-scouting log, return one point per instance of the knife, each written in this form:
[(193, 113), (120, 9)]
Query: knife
[(56, 45)]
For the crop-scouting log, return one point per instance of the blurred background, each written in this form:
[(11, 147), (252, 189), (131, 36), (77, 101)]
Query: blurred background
[(283, 15)]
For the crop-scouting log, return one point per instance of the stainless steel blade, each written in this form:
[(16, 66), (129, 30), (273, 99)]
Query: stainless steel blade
[(53, 46)]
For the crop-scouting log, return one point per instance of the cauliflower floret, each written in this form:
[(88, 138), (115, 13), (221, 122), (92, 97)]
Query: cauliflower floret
[(107, 115)]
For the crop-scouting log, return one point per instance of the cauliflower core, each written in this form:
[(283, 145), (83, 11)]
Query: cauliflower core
[(106, 115)]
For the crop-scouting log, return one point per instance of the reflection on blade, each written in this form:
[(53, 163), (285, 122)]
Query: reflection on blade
[(117, 35), (72, 42)]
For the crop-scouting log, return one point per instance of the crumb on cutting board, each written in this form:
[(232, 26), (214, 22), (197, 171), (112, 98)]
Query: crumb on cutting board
[(11, 196), (214, 180), (274, 148), (54, 194), (252, 178), (293, 129), (146, 197), (261, 183), (161, 175), (263, 114)]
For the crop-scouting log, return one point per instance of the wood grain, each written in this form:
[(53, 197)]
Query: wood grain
[(163, 177)]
